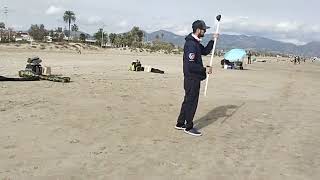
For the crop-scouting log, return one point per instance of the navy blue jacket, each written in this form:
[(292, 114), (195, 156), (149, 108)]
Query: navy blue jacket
[(192, 60)]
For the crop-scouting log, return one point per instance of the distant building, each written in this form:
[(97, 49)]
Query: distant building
[(56, 36), (91, 41), (22, 36), (48, 39)]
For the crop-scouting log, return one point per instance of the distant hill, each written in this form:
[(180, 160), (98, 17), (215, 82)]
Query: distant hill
[(310, 49), (244, 42), (167, 37)]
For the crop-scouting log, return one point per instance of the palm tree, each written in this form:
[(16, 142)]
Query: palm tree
[(75, 29), (2, 27), (69, 17), (112, 37)]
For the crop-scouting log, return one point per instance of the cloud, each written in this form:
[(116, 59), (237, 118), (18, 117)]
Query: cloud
[(183, 31), (53, 10), (180, 29), (123, 24), (287, 31), (161, 23), (95, 20), (17, 27), (292, 31)]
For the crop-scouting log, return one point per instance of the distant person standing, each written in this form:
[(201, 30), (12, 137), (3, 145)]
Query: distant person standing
[(194, 73), (297, 60), (249, 57)]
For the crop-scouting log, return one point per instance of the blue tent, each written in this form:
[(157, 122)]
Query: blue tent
[(235, 55)]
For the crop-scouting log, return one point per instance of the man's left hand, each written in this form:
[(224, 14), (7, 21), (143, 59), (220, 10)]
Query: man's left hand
[(208, 69)]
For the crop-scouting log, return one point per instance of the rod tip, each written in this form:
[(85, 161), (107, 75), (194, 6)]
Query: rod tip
[(219, 17)]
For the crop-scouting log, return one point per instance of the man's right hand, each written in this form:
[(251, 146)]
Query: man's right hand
[(215, 36), (209, 70)]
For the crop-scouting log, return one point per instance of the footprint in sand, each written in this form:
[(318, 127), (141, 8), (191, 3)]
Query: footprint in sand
[(75, 141), (10, 147), (101, 150)]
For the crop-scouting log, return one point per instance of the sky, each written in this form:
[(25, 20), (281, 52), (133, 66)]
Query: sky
[(294, 21)]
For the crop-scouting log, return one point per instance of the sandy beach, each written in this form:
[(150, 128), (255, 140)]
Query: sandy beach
[(261, 123)]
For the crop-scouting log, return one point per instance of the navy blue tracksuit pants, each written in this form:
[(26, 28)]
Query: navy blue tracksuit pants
[(190, 103)]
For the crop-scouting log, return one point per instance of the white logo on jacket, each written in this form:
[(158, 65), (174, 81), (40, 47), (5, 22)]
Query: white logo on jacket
[(191, 56)]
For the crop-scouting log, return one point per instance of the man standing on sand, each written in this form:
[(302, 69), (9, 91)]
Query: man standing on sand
[(194, 73), (249, 57)]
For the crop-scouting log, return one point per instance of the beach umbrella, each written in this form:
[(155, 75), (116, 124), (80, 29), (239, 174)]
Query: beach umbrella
[(235, 55)]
